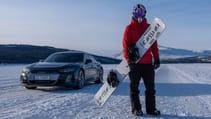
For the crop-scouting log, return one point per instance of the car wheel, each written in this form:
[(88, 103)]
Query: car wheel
[(30, 87), (81, 80), (100, 77)]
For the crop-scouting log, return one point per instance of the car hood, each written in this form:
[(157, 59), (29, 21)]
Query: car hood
[(52, 65)]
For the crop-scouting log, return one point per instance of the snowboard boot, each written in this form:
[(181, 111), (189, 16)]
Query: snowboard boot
[(112, 79), (155, 113), (138, 113)]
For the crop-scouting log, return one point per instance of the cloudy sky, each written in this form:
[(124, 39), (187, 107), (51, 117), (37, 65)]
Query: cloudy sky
[(97, 26)]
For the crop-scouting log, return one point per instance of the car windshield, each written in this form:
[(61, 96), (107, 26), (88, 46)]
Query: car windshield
[(65, 57)]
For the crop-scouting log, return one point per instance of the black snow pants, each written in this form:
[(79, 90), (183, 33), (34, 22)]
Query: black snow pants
[(147, 73)]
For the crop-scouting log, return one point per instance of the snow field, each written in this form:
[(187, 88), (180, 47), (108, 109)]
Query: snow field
[(183, 91)]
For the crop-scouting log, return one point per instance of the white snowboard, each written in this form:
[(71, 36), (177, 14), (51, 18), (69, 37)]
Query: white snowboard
[(145, 42)]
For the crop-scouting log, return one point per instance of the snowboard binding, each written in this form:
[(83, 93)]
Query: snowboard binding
[(133, 53), (112, 79)]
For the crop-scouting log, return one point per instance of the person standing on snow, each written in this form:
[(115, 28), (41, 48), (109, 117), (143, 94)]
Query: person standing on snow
[(145, 67)]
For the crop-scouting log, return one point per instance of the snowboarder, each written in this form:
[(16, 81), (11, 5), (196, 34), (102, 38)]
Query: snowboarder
[(144, 68)]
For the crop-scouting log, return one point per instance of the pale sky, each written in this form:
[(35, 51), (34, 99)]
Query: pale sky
[(97, 26)]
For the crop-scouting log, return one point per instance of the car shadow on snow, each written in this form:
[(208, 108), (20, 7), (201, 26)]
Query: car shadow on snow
[(162, 89), (169, 89), (90, 88), (182, 89)]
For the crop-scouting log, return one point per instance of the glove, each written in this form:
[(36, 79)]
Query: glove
[(156, 63), (133, 53)]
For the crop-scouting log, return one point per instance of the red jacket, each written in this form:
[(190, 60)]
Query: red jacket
[(132, 34)]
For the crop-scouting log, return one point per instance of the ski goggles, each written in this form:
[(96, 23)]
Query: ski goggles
[(139, 12)]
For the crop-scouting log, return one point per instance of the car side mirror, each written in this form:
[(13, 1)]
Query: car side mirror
[(42, 60), (88, 61)]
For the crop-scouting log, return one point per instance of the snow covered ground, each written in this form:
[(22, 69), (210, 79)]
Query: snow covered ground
[(183, 91)]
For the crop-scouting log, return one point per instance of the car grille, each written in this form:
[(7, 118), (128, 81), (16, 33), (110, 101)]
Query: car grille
[(43, 82), (44, 78)]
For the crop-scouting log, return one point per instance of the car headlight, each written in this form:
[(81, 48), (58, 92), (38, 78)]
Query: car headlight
[(67, 70), (25, 73)]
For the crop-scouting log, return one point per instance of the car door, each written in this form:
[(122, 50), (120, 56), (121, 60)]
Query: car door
[(94, 67), (88, 67)]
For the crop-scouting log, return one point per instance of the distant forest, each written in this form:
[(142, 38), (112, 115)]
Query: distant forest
[(30, 54)]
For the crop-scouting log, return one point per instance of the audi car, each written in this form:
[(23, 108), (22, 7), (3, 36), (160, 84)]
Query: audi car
[(69, 68)]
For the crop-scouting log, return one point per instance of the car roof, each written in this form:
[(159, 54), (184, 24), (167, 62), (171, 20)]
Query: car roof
[(74, 51), (71, 51)]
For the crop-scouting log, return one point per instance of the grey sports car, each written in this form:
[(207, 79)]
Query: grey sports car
[(70, 68)]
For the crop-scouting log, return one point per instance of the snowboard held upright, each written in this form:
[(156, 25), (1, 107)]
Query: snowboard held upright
[(116, 76)]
